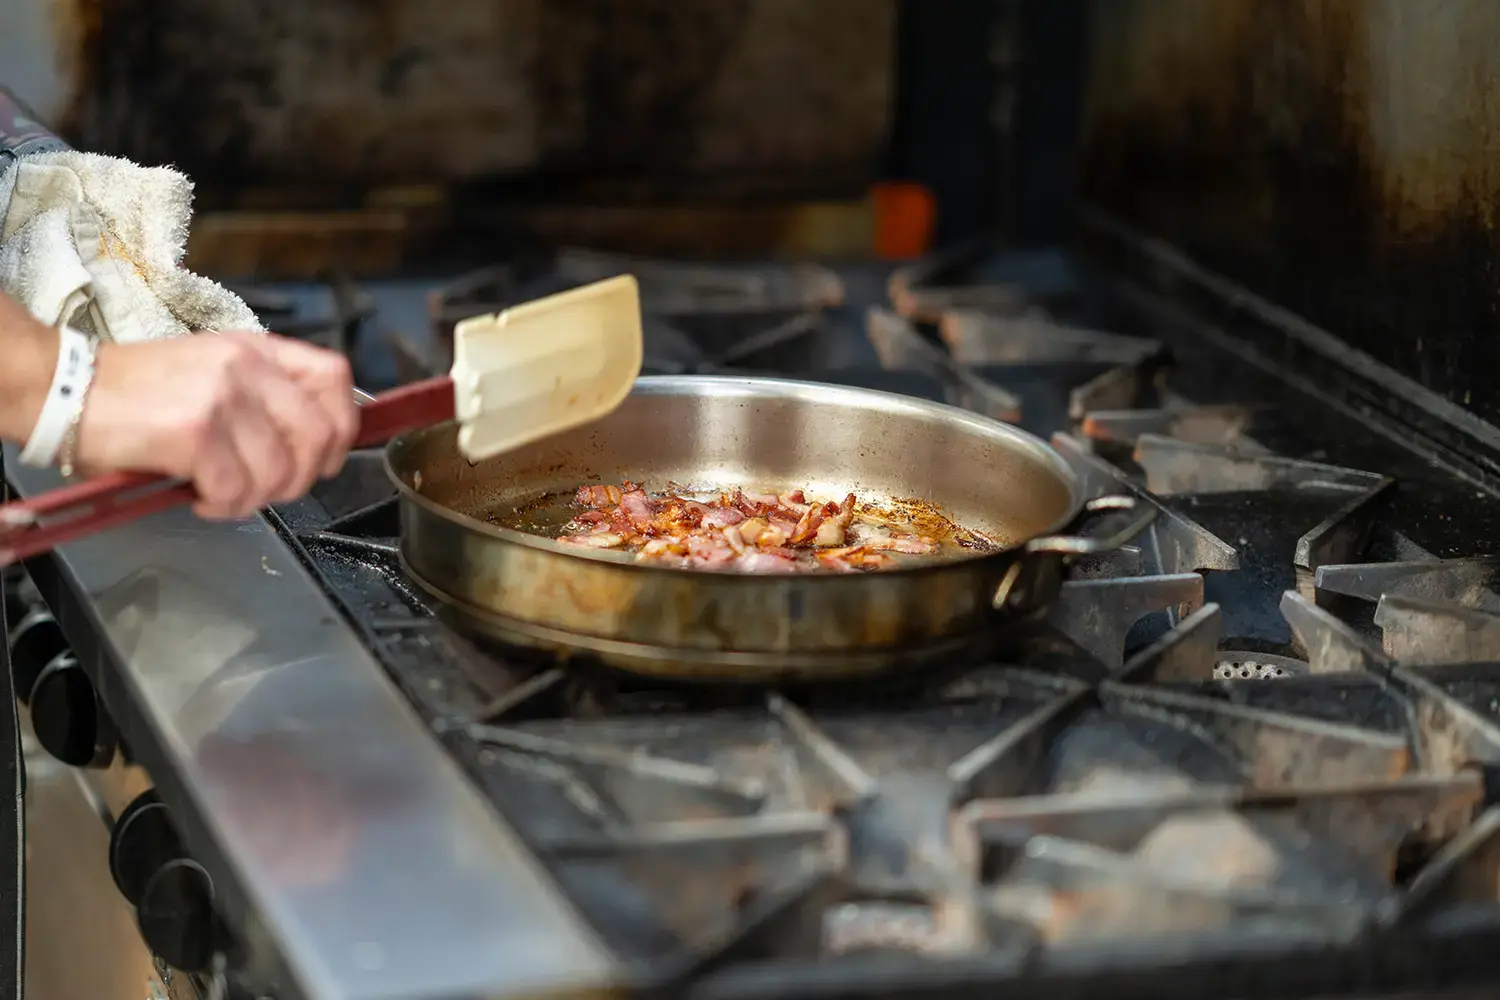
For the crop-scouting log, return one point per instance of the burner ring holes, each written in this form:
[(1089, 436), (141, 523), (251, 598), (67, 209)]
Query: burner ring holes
[(1248, 669)]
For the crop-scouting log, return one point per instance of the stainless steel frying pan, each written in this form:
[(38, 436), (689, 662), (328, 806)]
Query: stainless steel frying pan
[(525, 588)]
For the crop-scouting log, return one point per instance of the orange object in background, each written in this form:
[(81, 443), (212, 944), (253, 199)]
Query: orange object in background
[(905, 215)]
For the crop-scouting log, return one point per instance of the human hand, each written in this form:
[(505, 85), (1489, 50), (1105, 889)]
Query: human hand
[(248, 419)]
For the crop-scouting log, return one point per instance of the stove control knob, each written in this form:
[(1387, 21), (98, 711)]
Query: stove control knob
[(35, 641), (69, 722), (176, 916), (19, 598), (142, 842)]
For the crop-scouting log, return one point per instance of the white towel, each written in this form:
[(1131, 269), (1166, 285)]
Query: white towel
[(97, 242)]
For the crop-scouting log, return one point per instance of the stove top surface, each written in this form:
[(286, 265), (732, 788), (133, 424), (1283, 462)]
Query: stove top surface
[(1253, 750), (1232, 742)]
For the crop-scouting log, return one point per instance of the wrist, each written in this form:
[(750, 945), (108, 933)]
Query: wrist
[(26, 373)]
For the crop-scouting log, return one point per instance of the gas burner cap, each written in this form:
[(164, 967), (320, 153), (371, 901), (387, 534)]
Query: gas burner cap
[(1235, 665), (878, 926)]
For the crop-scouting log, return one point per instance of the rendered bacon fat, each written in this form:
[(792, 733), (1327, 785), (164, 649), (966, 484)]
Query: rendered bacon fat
[(751, 533)]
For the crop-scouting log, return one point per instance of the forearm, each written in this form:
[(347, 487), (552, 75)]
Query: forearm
[(28, 357)]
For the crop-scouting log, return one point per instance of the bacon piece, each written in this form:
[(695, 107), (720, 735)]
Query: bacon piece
[(674, 518), (806, 528), (905, 544), (735, 539), (594, 540), (853, 558), (709, 551), (599, 523), (695, 510), (784, 517), (835, 527), (752, 528), (749, 506), (766, 562), (793, 510), (637, 506), (664, 547), (775, 536), (722, 517), (598, 496), (766, 534)]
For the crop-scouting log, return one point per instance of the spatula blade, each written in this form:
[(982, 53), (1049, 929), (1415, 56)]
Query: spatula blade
[(546, 366)]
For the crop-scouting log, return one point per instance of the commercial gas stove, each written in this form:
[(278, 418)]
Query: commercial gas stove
[(1251, 753)]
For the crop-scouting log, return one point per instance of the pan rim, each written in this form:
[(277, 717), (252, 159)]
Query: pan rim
[(779, 388)]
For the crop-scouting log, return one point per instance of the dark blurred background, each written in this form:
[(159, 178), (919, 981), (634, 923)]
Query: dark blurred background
[(1336, 157), (374, 134)]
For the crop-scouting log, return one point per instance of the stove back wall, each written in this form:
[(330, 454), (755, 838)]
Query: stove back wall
[(1339, 157), (759, 95)]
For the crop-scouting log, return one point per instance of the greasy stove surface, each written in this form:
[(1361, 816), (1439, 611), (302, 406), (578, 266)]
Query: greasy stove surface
[(1238, 755)]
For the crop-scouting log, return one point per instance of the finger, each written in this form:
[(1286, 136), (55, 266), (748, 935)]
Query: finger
[(263, 448), (220, 475), (305, 427), (337, 404), (327, 375), (296, 356)]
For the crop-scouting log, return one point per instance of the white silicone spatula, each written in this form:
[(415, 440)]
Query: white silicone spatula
[(546, 366)]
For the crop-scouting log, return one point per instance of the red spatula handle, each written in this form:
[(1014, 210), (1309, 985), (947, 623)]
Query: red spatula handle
[(82, 509), (403, 409)]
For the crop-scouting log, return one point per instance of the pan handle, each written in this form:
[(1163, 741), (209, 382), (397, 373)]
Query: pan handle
[(1044, 576), (1082, 545)]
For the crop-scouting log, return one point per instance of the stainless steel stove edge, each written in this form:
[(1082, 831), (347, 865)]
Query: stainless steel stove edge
[(359, 852)]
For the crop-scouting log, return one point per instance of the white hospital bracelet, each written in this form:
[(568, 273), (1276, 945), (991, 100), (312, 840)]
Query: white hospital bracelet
[(57, 425)]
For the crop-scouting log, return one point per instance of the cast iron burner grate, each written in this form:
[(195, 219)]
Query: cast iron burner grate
[(1121, 792)]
